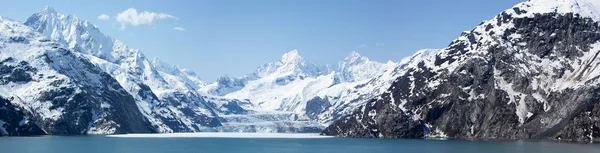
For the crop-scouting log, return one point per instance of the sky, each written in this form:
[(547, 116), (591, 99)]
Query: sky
[(234, 37)]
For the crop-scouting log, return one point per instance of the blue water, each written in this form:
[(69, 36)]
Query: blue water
[(98, 144)]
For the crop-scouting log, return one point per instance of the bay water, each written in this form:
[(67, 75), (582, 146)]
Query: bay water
[(103, 144)]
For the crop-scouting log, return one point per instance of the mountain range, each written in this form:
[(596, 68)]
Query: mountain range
[(530, 72), (290, 95)]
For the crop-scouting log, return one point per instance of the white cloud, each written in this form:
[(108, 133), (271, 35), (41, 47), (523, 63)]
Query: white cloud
[(363, 46), (379, 44), (179, 29), (104, 17), (134, 18)]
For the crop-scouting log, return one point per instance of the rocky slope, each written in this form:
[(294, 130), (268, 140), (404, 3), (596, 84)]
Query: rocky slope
[(529, 73), (46, 88), (341, 99)]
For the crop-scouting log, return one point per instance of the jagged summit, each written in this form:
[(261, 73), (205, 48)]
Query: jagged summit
[(291, 57), (48, 9), (291, 63), (79, 35), (355, 57), (356, 67)]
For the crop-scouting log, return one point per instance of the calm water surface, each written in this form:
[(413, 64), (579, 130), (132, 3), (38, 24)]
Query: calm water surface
[(99, 144)]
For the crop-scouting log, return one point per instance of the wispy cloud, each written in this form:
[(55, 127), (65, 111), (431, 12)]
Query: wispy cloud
[(104, 17), (379, 44), (363, 46), (179, 29), (134, 18)]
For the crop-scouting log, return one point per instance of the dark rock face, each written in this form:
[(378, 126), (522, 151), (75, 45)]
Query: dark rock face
[(20, 72), (529, 81), (231, 107), (316, 106), (14, 122)]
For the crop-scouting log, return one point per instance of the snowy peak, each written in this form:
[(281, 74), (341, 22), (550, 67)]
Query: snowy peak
[(79, 35), (356, 68), (291, 57), (585, 8), (355, 57), (49, 19), (49, 10), (291, 63)]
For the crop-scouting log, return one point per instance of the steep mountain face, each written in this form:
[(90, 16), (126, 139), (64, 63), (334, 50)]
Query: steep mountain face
[(529, 73), (167, 96), (45, 88), (343, 98)]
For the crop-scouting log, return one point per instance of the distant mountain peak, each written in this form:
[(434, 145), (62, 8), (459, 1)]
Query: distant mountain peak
[(355, 57), (354, 54), (48, 9), (291, 57), (356, 67)]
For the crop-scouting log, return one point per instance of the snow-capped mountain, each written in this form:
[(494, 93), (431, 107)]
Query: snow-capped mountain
[(283, 84), (46, 88), (531, 72), (291, 67), (308, 92), (165, 94)]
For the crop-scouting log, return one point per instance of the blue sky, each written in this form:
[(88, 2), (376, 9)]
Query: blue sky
[(233, 37)]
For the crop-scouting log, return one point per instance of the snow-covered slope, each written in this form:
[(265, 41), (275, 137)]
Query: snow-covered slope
[(58, 90), (166, 95)]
